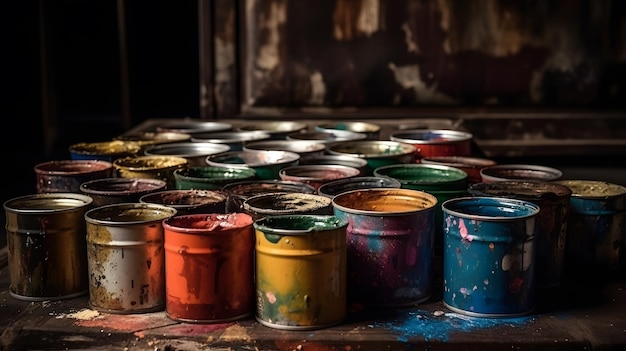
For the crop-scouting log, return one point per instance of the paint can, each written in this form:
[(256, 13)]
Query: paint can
[(188, 201), (47, 256), (209, 272), (498, 173), (152, 167), (339, 186), (210, 178), (389, 244), (66, 176), (551, 222), (377, 153), (596, 229), (239, 192), (104, 150), (107, 191), (489, 256), (317, 175), (301, 271), (436, 142), (276, 204), (125, 257), (471, 165)]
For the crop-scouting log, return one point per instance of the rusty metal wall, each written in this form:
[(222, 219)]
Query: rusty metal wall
[(302, 55)]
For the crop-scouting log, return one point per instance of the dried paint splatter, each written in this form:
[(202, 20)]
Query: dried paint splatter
[(437, 326)]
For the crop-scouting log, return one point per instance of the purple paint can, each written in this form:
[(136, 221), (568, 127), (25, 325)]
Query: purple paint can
[(489, 256), (389, 244), (62, 176)]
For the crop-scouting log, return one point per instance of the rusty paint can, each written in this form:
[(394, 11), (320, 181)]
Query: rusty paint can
[(209, 273), (301, 271), (125, 257), (389, 244), (239, 192), (596, 229), (66, 176), (276, 204), (188, 201), (551, 222), (489, 256), (47, 255)]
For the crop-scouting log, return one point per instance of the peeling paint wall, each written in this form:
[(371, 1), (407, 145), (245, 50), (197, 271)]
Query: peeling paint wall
[(416, 53)]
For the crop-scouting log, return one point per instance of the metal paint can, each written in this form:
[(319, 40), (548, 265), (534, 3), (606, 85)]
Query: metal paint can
[(104, 150), (125, 255), (66, 176), (188, 201), (153, 167), (471, 165), (210, 178), (389, 244), (339, 186), (371, 130), (240, 191), (209, 272), (498, 173), (551, 222), (377, 153), (596, 229), (317, 175), (301, 271), (436, 142), (47, 256), (107, 191), (266, 163), (276, 204), (489, 256), (195, 152)]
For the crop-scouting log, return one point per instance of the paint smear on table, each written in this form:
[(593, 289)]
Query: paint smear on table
[(437, 326)]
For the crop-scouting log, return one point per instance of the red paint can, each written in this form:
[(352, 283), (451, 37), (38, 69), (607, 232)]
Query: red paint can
[(209, 267)]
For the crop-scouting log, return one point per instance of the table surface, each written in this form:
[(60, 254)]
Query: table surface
[(585, 315)]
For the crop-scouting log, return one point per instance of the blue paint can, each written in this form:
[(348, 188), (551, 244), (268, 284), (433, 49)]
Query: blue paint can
[(596, 229), (489, 256)]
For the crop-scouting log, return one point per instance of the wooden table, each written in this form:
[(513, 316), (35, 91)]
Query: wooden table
[(588, 315)]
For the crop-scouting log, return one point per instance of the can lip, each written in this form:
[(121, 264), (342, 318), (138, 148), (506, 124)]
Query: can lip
[(158, 212), (72, 167), (410, 195), (317, 223), (431, 136), (497, 172), (617, 190), (521, 189), (530, 209), (203, 222), (43, 203)]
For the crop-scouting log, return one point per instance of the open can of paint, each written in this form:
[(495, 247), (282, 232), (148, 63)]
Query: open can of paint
[(389, 243), (209, 267), (489, 256), (300, 271)]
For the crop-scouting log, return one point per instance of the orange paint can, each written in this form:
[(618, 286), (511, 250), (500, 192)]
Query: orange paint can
[(209, 266)]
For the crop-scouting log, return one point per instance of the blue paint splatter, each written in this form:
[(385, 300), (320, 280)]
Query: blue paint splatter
[(414, 324)]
